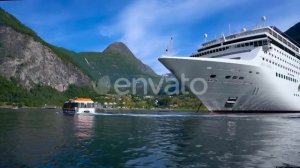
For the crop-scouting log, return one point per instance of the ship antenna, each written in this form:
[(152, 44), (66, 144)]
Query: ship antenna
[(263, 19)]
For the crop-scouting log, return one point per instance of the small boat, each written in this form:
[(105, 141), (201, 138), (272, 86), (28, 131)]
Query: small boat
[(79, 106)]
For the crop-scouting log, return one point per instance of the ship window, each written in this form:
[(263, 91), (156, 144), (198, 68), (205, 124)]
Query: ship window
[(260, 43), (241, 77), (265, 42), (250, 71), (246, 44), (251, 43), (227, 77), (212, 76), (234, 77), (90, 105)]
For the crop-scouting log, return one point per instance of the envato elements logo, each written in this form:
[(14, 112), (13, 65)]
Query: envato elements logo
[(169, 86)]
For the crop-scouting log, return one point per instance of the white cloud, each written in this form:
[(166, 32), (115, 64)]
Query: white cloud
[(146, 26)]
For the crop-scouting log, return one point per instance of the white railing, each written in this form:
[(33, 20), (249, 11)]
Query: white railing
[(253, 32)]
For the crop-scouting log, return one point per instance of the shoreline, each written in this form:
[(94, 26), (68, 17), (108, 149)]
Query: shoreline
[(109, 110), (146, 110)]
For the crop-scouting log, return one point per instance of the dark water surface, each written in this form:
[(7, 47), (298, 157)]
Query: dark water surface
[(39, 138)]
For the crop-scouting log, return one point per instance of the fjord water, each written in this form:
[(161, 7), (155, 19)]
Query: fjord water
[(41, 138)]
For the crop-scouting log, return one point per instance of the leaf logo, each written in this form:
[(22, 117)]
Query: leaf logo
[(102, 86)]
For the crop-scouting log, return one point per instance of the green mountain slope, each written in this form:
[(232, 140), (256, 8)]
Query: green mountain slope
[(116, 61), (11, 21), (294, 32)]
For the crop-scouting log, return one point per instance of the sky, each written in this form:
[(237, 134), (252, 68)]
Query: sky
[(146, 26)]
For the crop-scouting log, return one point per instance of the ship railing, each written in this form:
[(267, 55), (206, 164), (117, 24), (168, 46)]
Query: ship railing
[(235, 36), (253, 32)]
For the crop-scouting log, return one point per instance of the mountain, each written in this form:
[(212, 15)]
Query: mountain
[(294, 32), (116, 61), (119, 48), (31, 61)]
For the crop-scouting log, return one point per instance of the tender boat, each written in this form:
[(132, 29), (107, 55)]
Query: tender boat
[(79, 106)]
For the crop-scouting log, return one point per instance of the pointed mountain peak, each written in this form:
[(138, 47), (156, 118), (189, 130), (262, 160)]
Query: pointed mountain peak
[(118, 47)]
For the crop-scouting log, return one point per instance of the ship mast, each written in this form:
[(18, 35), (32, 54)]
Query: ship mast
[(169, 47)]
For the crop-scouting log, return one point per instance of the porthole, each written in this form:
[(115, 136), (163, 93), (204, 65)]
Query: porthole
[(212, 76), (227, 77)]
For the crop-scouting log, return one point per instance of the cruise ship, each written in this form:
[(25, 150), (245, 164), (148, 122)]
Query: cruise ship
[(251, 71)]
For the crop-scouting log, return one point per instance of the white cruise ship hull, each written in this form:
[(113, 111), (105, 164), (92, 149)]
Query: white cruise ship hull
[(254, 89)]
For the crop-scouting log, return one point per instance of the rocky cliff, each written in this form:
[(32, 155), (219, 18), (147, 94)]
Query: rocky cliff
[(31, 62)]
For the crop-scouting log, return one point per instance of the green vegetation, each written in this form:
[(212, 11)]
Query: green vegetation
[(113, 64), (116, 61), (178, 102), (12, 93), (9, 20), (110, 63)]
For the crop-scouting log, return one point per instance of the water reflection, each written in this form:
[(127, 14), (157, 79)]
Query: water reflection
[(50, 139), (84, 125)]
